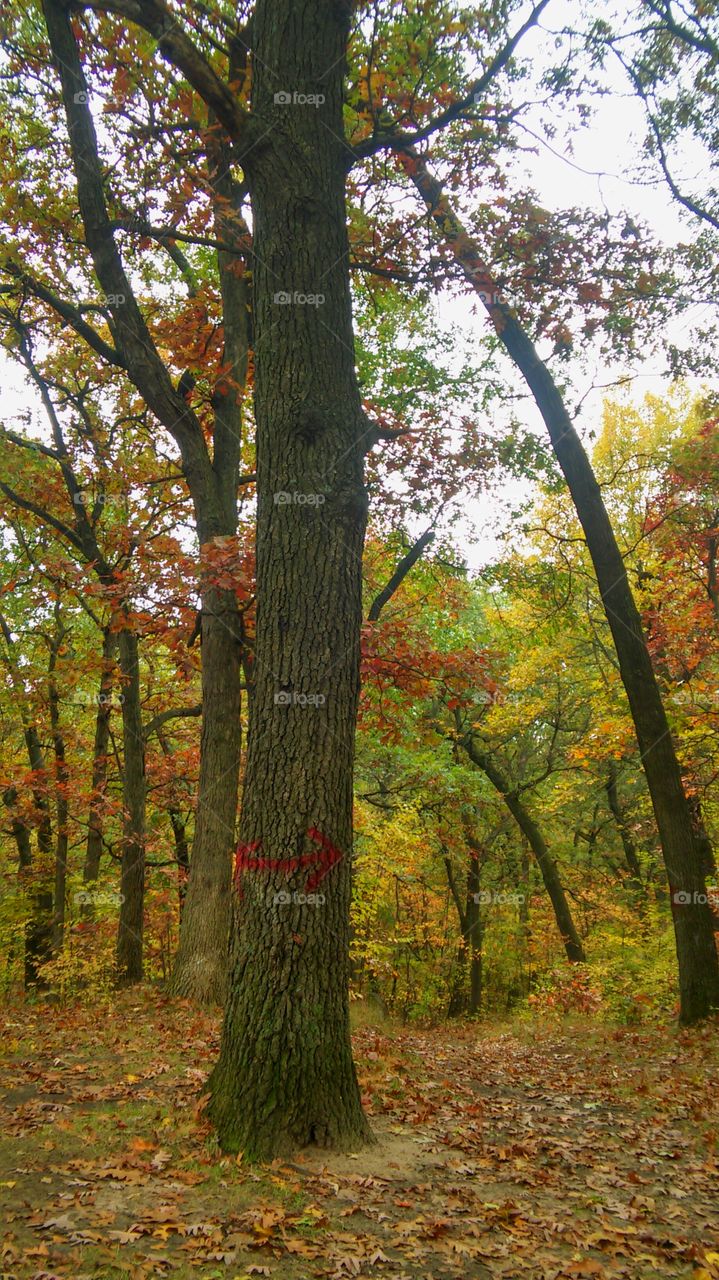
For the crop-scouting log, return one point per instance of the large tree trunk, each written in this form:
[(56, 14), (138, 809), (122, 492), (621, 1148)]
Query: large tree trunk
[(285, 1076), (132, 877), (545, 862), (683, 857)]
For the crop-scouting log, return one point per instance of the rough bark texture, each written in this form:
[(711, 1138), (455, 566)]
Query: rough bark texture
[(683, 858), (285, 1077), (132, 876)]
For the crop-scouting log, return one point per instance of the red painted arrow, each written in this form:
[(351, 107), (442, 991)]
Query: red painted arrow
[(324, 858)]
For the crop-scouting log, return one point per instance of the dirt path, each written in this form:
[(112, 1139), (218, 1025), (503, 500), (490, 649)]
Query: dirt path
[(547, 1154)]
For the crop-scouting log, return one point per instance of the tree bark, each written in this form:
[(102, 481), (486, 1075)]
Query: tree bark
[(466, 992), (285, 1076), (473, 933)]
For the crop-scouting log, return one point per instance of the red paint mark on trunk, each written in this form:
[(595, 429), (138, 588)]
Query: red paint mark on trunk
[(323, 859)]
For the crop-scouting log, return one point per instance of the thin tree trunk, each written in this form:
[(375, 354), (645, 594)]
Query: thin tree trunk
[(473, 933), (62, 778), (458, 986), (179, 832), (545, 862), (692, 918), (182, 853), (201, 964), (285, 1076), (132, 877), (93, 848), (628, 845), (35, 875), (466, 992)]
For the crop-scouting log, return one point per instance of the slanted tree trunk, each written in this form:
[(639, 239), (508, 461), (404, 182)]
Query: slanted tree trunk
[(285, 1075), (132, 867), (545, 862), (683, 857)]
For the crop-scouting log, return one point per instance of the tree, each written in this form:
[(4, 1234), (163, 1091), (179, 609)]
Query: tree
[(693, 924)]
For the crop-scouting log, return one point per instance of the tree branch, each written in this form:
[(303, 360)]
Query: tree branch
[(400, 573), (396, 140), (157, 721), (174, 44)]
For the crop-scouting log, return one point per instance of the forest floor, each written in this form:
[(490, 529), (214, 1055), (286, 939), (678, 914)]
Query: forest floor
[(565, 1150)]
